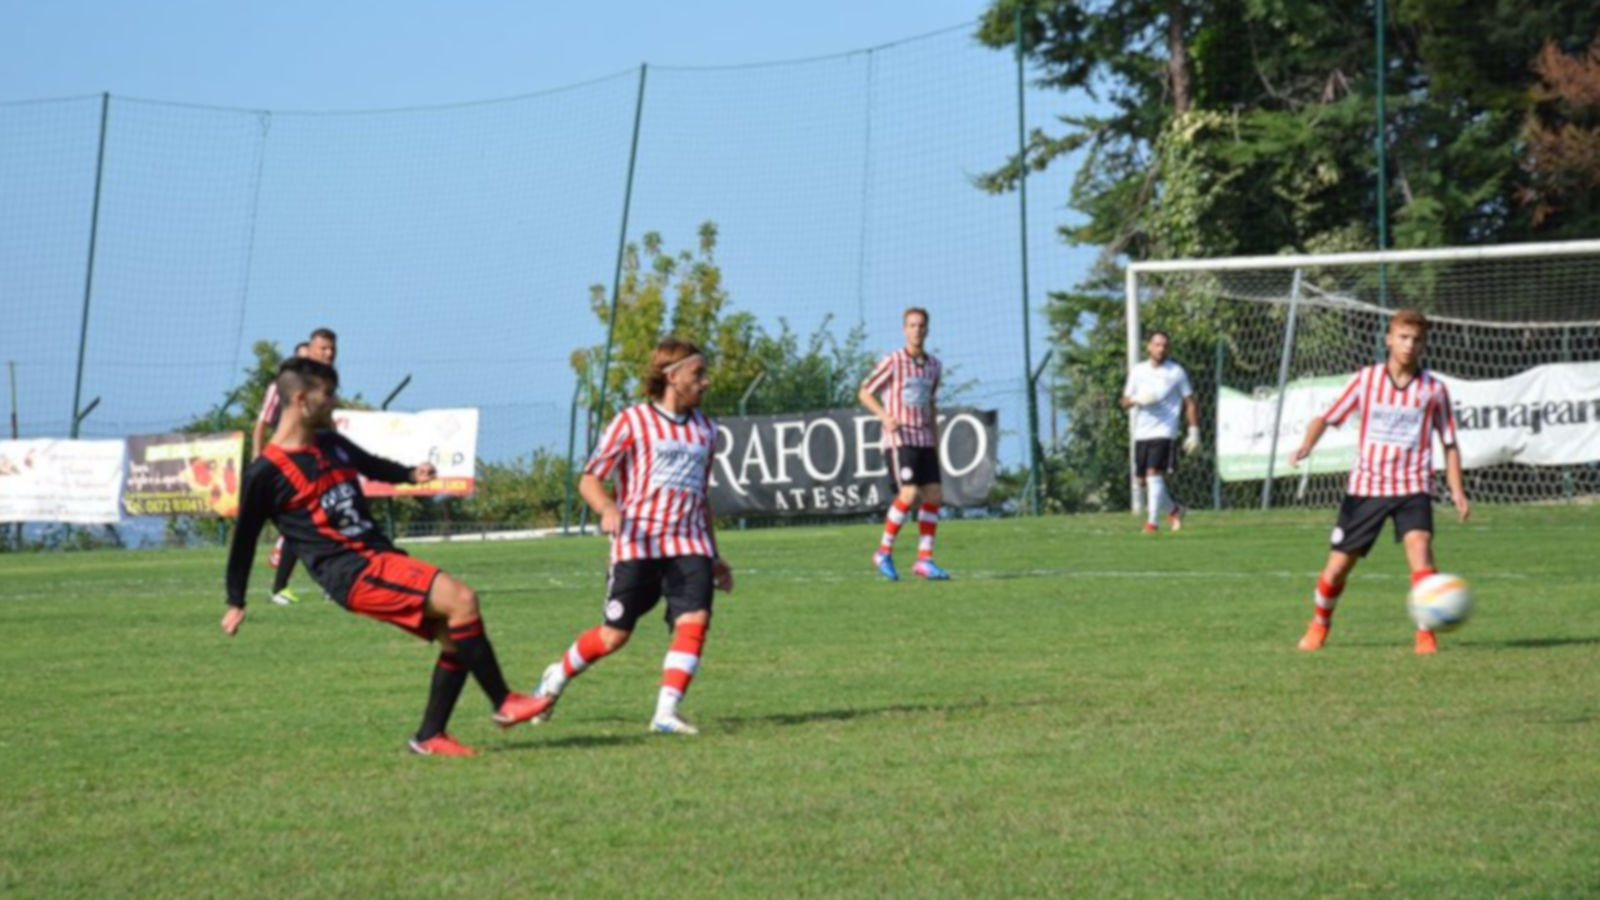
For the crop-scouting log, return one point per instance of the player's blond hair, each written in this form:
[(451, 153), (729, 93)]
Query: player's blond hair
[(667, 354)]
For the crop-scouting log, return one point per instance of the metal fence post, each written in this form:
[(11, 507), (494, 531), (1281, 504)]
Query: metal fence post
[(1283, 380), (88, 278)]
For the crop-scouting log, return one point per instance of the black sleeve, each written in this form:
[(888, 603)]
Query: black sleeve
[(257, 498), (374, 467)]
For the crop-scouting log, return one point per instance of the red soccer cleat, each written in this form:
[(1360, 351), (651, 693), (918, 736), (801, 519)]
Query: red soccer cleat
[(440, 744), (1150, 528), (519, 708), (1426, 642), (1315, 636)]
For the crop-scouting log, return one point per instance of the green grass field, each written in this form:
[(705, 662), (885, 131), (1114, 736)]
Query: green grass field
[(1086, 710)]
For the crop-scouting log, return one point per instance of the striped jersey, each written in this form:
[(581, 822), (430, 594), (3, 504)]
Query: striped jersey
[(270, 405), (907, 385), (1395, 455), (663, 467)]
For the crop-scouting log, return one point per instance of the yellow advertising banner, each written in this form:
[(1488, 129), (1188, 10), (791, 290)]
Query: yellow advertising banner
[(184, 474)]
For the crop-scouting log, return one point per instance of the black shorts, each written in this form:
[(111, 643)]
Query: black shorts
[(915, 466), (1160, 454), (635, 586), (1361, 520)]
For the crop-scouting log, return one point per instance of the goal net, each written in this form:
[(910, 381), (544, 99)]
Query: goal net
[(1269, 341)]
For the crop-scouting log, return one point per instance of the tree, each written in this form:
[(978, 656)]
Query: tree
[(1562, 131), (663, 294), (1235, 127)]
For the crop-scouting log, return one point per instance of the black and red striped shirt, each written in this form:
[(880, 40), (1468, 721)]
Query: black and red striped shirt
[(313, 494)]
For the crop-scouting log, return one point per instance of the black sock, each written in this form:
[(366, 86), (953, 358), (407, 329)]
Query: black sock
[(280, 579), (449, 677), (477, 654)]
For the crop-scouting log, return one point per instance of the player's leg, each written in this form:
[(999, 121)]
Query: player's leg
[(449, 599), (284, 569), (632, 589), (1413, 528), (688, 587), (281, 558), (1175, 509), (449, 678), (928, 526), (1360, 520), (899, 509)]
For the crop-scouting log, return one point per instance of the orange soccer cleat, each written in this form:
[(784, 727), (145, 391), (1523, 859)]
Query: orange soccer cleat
[(1426, 642), (519, 708), (1150, 528), (1316, 635), (440, 744)]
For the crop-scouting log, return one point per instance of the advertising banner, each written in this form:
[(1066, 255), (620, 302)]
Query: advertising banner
[(184, 474), (834, 462), (46, 480), (448, 438), (1546, 416)]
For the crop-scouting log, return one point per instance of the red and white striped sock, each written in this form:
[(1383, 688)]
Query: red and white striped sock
[(928, 529), (677, 670), (1326, 598), (892, 523), (584, 652)]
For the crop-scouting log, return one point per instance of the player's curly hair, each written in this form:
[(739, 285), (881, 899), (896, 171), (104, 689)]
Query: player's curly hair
[(667, 354)]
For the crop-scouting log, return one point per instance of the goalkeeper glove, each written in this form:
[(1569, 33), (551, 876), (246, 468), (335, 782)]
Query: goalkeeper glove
[(1191, 443)]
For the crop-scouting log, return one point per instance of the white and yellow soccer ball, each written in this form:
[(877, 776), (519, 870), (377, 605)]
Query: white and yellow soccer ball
[(1440, 602)]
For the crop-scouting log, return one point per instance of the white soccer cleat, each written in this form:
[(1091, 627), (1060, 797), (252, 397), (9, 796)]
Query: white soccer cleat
[(551, 684), (673, 724)]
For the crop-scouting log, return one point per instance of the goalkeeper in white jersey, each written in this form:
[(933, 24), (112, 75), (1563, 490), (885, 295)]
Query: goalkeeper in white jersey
[(1155, 391)]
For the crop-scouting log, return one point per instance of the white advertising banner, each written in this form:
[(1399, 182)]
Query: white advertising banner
[(44, 480), (1546, 416), (448, 438)]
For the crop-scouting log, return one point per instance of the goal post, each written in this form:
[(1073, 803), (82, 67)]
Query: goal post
[(1267, 340)]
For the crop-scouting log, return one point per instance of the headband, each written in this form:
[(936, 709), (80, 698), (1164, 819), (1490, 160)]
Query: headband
[(669, 369)]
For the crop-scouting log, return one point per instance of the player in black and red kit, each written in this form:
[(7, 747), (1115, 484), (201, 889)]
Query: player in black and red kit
[(307, 482)]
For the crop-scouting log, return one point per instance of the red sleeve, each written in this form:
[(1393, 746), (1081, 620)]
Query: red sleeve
[(617, 441), (1349, 401)]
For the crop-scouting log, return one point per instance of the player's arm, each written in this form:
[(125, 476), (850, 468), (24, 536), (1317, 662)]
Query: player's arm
[(593, 491), (257, 437), (868, 395), (1129, 399), (1191, 413), (1313, 434), (385, 470), (615, 443), (1444, 421), (721, 572), (256, 498), (1349, 401)]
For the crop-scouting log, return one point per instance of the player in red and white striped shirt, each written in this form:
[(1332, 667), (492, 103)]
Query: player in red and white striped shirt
[(662, 541), (282, 558), (1399, 407), (908, 380)]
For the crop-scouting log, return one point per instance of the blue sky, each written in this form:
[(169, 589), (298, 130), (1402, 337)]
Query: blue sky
[(457, 244)]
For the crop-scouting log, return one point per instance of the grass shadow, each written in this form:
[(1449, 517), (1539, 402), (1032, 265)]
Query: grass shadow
[(1540, 643)]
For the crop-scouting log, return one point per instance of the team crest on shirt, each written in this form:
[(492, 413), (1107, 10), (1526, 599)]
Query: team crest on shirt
[(680, 465)]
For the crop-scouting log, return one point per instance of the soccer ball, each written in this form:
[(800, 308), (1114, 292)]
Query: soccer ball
[(1440, 602)]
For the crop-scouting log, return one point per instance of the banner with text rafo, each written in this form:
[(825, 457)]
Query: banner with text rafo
[(448, 438), (1546, 416), (834, 462)]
